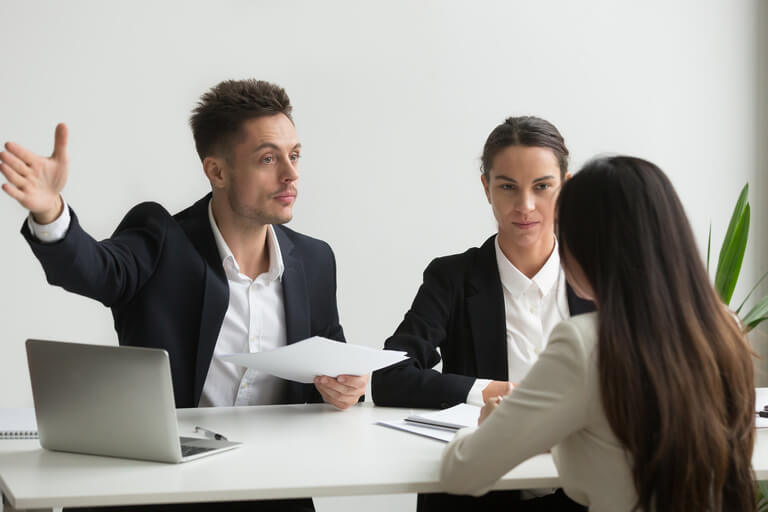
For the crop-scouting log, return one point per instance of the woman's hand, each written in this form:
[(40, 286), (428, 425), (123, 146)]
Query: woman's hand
[(490, 405), (497, 388)]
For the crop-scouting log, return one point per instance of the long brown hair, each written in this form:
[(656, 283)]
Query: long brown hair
[(675, 370)]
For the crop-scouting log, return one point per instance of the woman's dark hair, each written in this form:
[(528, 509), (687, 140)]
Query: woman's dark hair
[(218, 118), (675, 371), (524, 131)]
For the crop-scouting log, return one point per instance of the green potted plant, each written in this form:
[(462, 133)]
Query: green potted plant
[(729, 264)]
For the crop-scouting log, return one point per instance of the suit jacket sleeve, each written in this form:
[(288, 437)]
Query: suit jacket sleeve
[(111, 271), (413, 383), (334, 330), (548, 405)]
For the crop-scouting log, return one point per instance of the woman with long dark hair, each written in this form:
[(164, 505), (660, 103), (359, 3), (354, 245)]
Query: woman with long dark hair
[(647, 404)]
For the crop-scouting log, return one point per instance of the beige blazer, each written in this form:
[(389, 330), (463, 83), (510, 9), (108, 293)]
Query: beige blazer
[(556, 406)]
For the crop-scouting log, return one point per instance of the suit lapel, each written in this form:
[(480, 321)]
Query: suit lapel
[(487, 318), (295, 295), (296, 305), (196, 224)]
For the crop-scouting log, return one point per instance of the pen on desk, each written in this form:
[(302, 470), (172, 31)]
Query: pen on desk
[(210, 433)]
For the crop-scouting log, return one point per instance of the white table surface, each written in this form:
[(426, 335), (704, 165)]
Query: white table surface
[(288, 451)]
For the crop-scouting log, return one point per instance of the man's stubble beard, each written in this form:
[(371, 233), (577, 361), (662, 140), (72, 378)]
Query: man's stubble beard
[(254, 214)]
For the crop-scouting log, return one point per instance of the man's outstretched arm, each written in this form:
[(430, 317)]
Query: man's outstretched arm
[(110, 271)]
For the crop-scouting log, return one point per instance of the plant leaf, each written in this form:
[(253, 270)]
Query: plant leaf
[(732, 251), (709, 245), (738, 310), (762, 496), (757, 314)]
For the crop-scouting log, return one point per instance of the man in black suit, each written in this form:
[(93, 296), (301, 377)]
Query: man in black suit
[(224, 275)]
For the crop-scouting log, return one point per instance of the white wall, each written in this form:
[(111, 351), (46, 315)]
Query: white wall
[(393, 101)]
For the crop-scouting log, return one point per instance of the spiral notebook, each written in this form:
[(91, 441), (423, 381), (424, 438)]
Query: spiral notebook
[(18, 423)]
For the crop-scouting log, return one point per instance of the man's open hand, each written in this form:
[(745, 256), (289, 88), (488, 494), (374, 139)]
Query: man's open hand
[(36, 181)]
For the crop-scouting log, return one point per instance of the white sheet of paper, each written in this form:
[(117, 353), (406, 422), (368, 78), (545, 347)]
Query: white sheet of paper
[(456, 417), (304, 360), (761, 400), (440, 434)]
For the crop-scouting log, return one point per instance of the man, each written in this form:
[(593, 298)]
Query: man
[(222, 276)]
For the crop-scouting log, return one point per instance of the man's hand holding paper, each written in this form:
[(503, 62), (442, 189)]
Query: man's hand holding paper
[(342, 392), (340, 371)]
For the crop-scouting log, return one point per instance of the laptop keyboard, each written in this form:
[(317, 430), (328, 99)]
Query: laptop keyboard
[(188, 451)]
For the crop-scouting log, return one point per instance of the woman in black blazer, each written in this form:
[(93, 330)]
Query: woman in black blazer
[(477, 307)]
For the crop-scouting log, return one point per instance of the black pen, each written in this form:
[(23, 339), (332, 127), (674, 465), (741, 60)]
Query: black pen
[(210, 433)]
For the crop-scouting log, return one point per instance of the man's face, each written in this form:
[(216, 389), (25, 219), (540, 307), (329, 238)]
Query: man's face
[(262, 171), (522, 189)]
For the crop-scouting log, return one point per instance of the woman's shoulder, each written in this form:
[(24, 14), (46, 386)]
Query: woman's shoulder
[(580, 329), (464, 261)]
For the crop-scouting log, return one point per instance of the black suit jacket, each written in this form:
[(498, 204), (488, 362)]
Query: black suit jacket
[(163, 278), (459, 309)]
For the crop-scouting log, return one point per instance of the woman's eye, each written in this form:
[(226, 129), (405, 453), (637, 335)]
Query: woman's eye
[(543, 186), (267, 159), (507, 187), (295, 157)]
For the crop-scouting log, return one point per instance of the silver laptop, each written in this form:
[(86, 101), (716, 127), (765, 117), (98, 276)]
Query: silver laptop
[(106, 400)]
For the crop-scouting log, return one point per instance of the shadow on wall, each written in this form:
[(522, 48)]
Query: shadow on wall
[(759, 337)]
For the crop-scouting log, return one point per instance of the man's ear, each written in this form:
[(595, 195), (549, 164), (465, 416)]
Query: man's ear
[(486, 188), (214, 171)]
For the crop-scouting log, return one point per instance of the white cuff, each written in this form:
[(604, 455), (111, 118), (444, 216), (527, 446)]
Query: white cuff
[(54, 231), (475, 395)]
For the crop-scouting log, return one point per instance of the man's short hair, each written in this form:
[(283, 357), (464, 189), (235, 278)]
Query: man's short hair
[(218, 118)]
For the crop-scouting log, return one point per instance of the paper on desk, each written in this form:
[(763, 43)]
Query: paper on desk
[(761, 400), (441, 425), (441, 434), (456, 417), (304, 360)]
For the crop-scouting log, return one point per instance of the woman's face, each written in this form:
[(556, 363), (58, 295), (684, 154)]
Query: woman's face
[(522, 188)]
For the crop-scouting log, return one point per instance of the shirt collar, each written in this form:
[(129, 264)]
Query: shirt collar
[(517, 282), (276, 266)]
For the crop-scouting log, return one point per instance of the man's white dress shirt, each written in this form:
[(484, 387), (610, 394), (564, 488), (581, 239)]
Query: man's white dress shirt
[(254, 322)]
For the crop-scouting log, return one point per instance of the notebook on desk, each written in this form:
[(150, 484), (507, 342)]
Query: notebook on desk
[(18, 423), (113, 401)]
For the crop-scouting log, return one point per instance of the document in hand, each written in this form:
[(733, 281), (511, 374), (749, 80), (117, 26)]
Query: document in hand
[(441, 425), (304, 360)]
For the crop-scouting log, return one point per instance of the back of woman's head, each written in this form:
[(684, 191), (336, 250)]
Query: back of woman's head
[(675, 372)]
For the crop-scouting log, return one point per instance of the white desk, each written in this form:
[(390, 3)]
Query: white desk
[(288, 451)]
